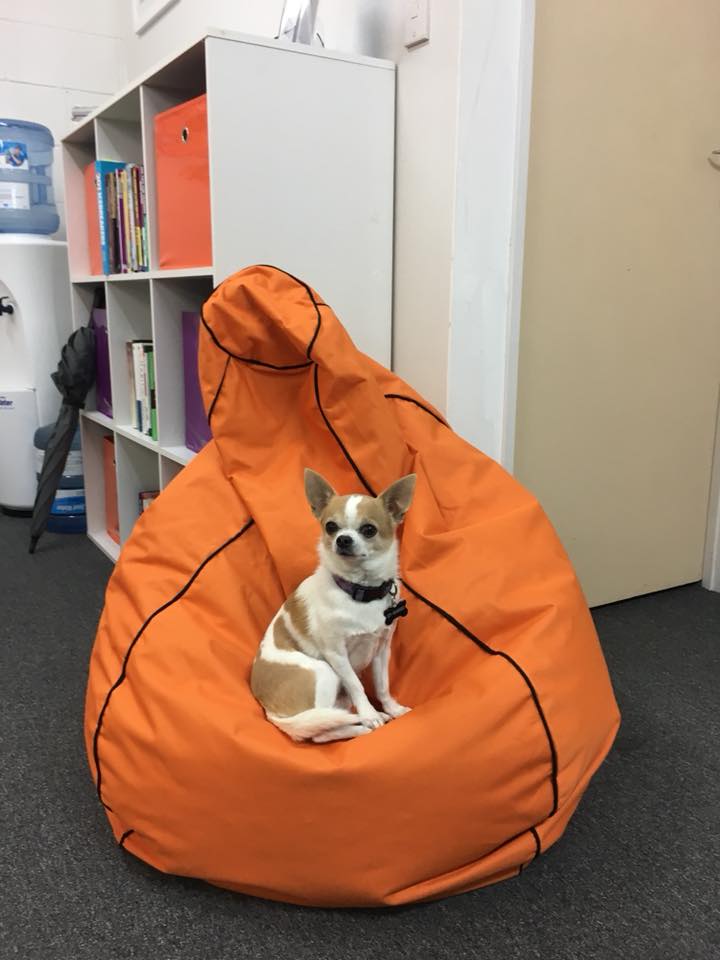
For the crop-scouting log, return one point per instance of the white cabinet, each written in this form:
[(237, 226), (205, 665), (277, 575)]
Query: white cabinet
[(301, 161)]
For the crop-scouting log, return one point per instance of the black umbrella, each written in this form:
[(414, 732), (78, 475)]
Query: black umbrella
[(73, 378)]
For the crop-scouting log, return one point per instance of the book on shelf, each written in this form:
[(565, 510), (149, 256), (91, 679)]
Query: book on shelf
[(117, 217), (97, 213), (141, 382), (152, 399)]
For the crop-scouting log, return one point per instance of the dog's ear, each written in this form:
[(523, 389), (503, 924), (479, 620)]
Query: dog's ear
[(396, 499), (318, 491)]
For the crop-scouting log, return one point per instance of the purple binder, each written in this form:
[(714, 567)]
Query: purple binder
[(102, 363), (197, 431)]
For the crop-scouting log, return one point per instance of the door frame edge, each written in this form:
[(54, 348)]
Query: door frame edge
[(711, 560), (493, 145)]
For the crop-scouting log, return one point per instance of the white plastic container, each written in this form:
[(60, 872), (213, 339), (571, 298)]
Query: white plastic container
[(18, 421), (34, 280)]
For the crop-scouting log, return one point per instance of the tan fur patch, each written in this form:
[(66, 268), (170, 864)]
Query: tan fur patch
[(335, 510), (373, 511), (282, 637), (282, 688), (297, 611), (369, 510)]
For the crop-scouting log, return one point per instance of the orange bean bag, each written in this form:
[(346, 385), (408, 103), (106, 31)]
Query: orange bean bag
[(513, 708)]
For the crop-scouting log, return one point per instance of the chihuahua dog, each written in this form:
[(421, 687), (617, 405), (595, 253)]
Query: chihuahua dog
[(339, 621)]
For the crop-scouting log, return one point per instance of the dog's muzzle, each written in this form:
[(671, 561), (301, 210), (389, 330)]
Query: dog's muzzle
[(344, 546)]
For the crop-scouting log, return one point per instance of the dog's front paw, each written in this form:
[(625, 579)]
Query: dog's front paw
[(373, 720), (395, 709)]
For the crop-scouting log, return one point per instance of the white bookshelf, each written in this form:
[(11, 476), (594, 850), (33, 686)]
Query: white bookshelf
[(301, 153)]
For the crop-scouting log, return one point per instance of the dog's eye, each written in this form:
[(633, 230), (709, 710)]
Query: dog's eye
[(331, 527), (368, 530)]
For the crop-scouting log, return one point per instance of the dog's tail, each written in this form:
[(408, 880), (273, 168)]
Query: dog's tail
[(311, 723)]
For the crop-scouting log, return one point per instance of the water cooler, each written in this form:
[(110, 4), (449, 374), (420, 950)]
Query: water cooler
[(34, 303), (34, 324)]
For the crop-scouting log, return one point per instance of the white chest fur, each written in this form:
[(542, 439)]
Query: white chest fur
[(362, 648), (339, 621)]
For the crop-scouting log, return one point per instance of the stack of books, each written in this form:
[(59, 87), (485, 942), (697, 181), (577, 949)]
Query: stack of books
[(117, 217), (141, 378)]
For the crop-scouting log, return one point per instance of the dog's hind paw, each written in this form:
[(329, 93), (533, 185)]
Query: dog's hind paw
[(394, 709), (373, 720)]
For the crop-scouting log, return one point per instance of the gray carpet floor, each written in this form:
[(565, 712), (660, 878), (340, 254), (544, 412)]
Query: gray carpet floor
[(636, 875)]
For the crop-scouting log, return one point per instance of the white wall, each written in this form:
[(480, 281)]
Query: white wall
[(185, 21), (57, 54), (461, 159), (371, 27)]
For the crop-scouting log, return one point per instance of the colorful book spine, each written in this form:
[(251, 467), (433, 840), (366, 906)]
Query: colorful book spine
[(111, 213), (133, 217), (137, 215), (142, 412), (117, 217), (127, 266), (143, 217), (122, 253), (102, 220), (131, 221), (152, 395), (130, 355), (102, 168)]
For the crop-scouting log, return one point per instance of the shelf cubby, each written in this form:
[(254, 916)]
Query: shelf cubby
[(93, 432), (118, 131), (78, 152), (137, 470), (128, 314), (170, 298), (169, 469)]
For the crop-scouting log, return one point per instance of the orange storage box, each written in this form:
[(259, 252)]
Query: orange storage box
[(183, 185), (513, 710)]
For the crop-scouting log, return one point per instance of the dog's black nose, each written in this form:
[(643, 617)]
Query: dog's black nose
[(344, 543)]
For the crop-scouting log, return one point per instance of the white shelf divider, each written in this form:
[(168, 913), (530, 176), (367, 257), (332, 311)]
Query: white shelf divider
[(180, 454), (130, 433), (103, 540), (100, 418), (146, 275)]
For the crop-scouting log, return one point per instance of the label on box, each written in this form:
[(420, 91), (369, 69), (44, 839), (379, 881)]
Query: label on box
[(73, 465), (14, 195), (68, 502)]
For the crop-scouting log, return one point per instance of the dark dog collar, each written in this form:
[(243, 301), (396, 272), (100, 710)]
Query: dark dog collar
[(364, 594)]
